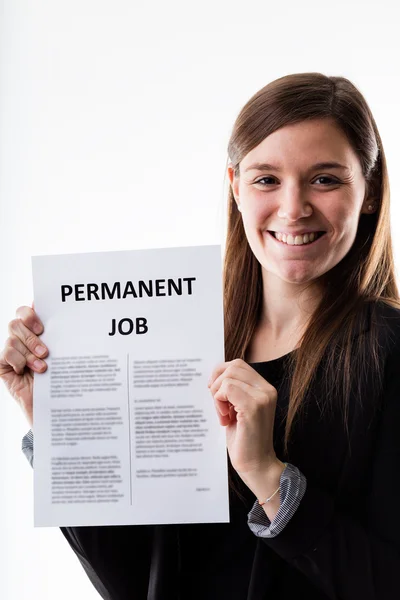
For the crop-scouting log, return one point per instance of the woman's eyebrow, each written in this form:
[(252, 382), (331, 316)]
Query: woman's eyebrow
[(321, 165)]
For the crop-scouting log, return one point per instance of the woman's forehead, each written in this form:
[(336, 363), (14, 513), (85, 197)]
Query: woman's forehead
[(301, 144)]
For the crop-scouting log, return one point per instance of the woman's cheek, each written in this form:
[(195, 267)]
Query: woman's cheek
[(257, 214)]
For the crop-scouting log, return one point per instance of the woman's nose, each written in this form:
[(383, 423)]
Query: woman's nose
[(294, 204)]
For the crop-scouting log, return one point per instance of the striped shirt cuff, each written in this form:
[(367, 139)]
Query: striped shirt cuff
[(27, 446), (293, 486)]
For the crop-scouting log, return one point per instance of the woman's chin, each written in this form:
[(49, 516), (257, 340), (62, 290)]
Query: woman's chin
[(297, 276)]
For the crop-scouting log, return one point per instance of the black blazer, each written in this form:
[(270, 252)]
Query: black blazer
[(343, 543)]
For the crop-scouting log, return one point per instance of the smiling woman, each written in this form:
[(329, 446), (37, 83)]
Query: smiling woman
[(317, 222), (310, 392), (329, 136)]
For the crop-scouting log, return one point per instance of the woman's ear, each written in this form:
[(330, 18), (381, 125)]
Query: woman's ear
[(370, 208), (234, 181), (372, 196)]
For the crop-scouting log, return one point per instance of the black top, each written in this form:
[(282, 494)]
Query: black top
[(343, 542)]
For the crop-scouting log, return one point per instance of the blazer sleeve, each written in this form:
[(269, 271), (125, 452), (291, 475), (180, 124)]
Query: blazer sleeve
[(345, 557)]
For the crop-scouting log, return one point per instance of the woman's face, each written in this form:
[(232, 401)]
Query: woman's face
[(301, 218)]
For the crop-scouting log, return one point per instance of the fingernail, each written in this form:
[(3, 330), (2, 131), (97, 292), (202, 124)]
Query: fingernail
[(40, 350), (37, 328), (38, 364)]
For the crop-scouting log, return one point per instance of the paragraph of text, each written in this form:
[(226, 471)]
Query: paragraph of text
[(160, 432), (74, 376)]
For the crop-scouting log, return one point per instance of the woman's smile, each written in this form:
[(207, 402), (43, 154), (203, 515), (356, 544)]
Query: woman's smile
[(298, 243)]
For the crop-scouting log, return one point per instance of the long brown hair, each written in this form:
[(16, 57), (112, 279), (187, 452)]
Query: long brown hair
[(363, 276)]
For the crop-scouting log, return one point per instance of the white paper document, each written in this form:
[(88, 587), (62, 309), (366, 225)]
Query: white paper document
[(125, 428)]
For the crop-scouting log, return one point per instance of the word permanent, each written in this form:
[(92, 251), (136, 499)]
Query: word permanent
[(81, 292)]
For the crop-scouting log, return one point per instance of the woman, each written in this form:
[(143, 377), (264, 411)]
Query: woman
[(312, 325)]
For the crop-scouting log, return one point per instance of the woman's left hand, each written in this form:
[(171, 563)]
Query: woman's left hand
[(245, 404)]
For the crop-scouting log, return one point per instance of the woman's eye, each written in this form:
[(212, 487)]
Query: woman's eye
[(263, 179), (331, 181)]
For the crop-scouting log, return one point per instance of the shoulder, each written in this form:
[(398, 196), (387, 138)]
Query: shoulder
[(385, 314), (376, 358), (383, 322)]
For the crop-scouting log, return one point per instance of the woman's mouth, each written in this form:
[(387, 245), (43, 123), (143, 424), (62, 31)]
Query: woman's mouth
[(307, 239)]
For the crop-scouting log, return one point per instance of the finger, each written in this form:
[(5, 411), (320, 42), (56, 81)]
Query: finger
[(17, 361), (227, 419), (229, 392), (222, 406), (219, 370), (31, 360), (240, 373), (30, 319), (242, 396), (28, 338), (231, 418)]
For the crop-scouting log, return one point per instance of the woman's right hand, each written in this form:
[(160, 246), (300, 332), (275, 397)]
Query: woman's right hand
[(18, 359)]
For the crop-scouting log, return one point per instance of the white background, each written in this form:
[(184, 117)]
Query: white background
[(114, 121)]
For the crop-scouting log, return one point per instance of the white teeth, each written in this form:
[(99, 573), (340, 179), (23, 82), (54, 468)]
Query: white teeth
[(297, 240)]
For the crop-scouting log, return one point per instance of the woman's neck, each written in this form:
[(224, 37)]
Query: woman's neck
[(286, 311)]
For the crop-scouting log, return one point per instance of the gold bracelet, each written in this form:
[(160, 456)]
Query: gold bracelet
[(276, 491), (270, 498)]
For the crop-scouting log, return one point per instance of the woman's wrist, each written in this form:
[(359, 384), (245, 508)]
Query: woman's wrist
[(264, 483)]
